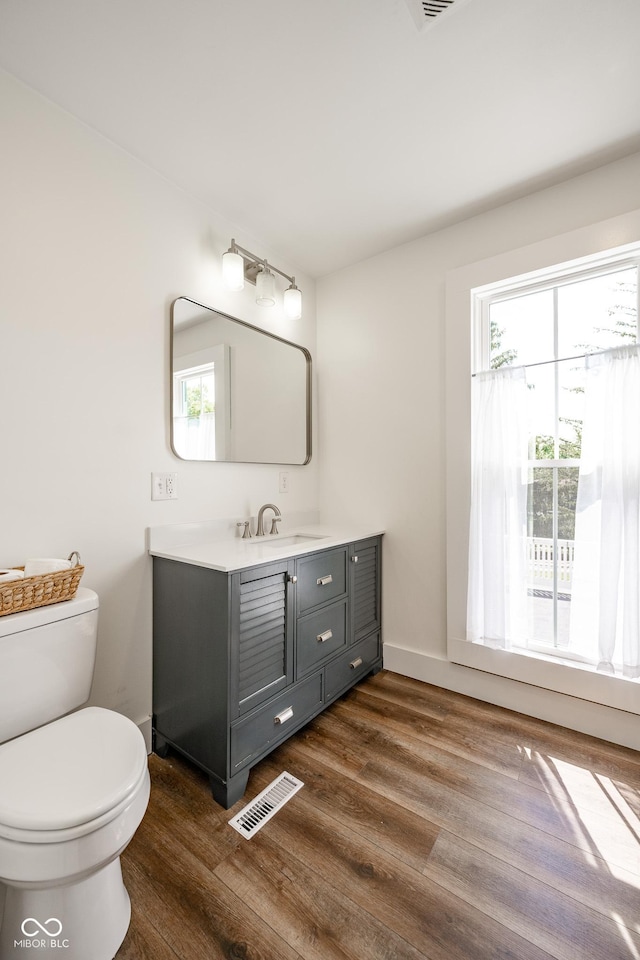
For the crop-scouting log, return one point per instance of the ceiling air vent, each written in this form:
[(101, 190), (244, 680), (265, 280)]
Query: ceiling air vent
[(426, 13)]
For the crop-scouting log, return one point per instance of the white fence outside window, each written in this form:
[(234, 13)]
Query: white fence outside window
[(540, 563)]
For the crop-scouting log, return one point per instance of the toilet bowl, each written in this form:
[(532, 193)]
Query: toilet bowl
[(72, 794)]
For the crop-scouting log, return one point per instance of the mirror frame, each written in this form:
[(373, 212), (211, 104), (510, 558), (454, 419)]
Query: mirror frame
[(265, 333)]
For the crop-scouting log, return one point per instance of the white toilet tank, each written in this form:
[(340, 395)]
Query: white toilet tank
[(47, 656)]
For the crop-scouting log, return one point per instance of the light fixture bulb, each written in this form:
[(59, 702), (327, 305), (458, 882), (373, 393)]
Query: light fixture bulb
[(233, 270), (293, 302), (265, 288)]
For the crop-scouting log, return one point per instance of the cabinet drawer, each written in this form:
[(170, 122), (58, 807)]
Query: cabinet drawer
[(273, 722), (321, 578), (357, 662), (319, 636)]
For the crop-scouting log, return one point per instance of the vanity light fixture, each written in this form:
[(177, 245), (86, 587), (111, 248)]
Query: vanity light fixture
[(239, 265)]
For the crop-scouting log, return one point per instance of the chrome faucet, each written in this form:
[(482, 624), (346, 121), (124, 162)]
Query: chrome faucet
[(274, 522)]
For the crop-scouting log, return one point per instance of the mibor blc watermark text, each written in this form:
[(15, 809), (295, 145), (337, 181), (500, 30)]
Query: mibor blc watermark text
[(37, 936)]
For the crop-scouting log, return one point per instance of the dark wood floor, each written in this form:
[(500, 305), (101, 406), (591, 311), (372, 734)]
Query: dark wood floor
[(430, 826)]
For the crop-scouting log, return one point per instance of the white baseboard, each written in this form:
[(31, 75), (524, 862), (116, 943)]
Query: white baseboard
[(607, 723)]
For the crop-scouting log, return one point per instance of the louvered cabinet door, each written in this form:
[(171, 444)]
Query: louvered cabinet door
[(364, 568), (262, 649)]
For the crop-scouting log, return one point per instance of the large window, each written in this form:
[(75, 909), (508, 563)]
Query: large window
[(548, 327)]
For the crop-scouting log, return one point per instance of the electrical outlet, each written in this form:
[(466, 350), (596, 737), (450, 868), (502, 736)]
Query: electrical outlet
[(164, 486), (171, 486), (283, 482)]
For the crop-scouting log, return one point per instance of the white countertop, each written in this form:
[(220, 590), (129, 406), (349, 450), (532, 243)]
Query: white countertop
[(228, 554)]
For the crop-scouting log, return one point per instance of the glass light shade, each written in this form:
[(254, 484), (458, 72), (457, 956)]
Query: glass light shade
[(292, 303), (233, 270), (265, 288)]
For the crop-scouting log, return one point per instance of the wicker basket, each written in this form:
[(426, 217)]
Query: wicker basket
[(29, 592)]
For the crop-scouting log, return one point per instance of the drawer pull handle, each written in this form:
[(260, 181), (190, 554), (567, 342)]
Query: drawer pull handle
[(284, 716), (356, 663), (324, 636), (323, 581)]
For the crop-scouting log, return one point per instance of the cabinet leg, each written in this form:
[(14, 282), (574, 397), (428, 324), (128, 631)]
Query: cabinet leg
[(160, 745), (226, 794)]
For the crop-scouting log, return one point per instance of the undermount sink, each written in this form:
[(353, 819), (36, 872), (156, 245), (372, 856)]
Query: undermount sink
[(294, 540)]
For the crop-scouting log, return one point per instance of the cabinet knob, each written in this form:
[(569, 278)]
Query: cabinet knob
[(284, 716), (354, 559), (356, 663), (293, 579), (324, 636), (323, 581)]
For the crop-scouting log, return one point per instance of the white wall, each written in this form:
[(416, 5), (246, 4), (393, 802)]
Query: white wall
[(94, 246), (381, 387)]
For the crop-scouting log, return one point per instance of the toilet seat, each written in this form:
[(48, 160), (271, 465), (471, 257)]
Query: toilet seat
[(69, 777)]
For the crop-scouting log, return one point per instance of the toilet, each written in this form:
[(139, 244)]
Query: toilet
[(74, 787)]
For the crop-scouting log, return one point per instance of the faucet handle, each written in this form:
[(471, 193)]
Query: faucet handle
[(247, 528), (274, 523)]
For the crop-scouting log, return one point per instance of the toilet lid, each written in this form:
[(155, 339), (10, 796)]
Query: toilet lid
[(71, 771)]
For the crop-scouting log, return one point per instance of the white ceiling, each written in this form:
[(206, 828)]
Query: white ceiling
[(334, 130)]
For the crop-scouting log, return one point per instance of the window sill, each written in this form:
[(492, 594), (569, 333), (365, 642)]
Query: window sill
[(572, 678)]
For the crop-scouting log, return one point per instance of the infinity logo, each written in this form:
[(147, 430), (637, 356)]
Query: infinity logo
[(51, 931)]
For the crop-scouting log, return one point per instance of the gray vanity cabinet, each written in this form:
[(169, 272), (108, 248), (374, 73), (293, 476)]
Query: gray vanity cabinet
[(242, 660)]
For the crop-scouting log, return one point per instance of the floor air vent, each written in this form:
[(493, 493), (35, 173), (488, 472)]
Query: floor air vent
[(265, 805), (428, 12)]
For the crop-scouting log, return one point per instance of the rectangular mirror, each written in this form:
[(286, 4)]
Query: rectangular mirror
[(238, 393)]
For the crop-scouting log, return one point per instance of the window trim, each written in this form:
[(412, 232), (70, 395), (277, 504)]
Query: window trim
[(587, 248)]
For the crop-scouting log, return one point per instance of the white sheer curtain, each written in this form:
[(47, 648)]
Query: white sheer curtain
[(195, 437), (605, 605), (497, 592)]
